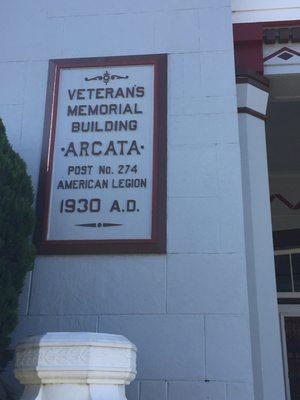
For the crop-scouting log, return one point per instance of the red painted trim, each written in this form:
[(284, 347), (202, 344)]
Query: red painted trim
[(285, 201), (248, 43), (51, 143), (248, 47), (157, 243), (296, 53), (280, 24), (250, 111), (258, 81)]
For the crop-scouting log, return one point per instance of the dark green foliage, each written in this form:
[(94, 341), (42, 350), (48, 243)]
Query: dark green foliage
[(16, 227)]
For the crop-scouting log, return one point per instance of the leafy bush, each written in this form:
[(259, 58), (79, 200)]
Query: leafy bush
[(16, 228)]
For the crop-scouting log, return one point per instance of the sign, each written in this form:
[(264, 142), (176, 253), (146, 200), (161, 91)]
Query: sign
[(103, 171)]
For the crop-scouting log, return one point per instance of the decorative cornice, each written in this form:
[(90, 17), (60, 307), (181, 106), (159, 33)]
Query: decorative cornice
[(282, 51), (281, 35)]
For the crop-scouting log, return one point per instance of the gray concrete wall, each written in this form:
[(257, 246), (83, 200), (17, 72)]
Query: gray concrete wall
[(187, 311)]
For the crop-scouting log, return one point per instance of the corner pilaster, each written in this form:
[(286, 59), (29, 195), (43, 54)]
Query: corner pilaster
[(252, 99)]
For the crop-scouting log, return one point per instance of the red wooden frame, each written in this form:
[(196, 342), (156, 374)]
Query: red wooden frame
[(157, 243)]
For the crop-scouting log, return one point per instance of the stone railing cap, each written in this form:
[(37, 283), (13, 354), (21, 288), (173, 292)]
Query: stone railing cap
[(76, 339), (75, 358)]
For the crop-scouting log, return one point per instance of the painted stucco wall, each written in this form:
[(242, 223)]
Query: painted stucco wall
[(186, 311)]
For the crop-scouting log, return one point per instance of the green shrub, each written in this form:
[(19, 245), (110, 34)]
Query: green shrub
[(16, 228)]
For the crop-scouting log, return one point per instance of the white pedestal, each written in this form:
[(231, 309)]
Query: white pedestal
[(75, 366)]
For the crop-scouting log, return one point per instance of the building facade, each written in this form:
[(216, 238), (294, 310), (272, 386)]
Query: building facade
[(204, 313)]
